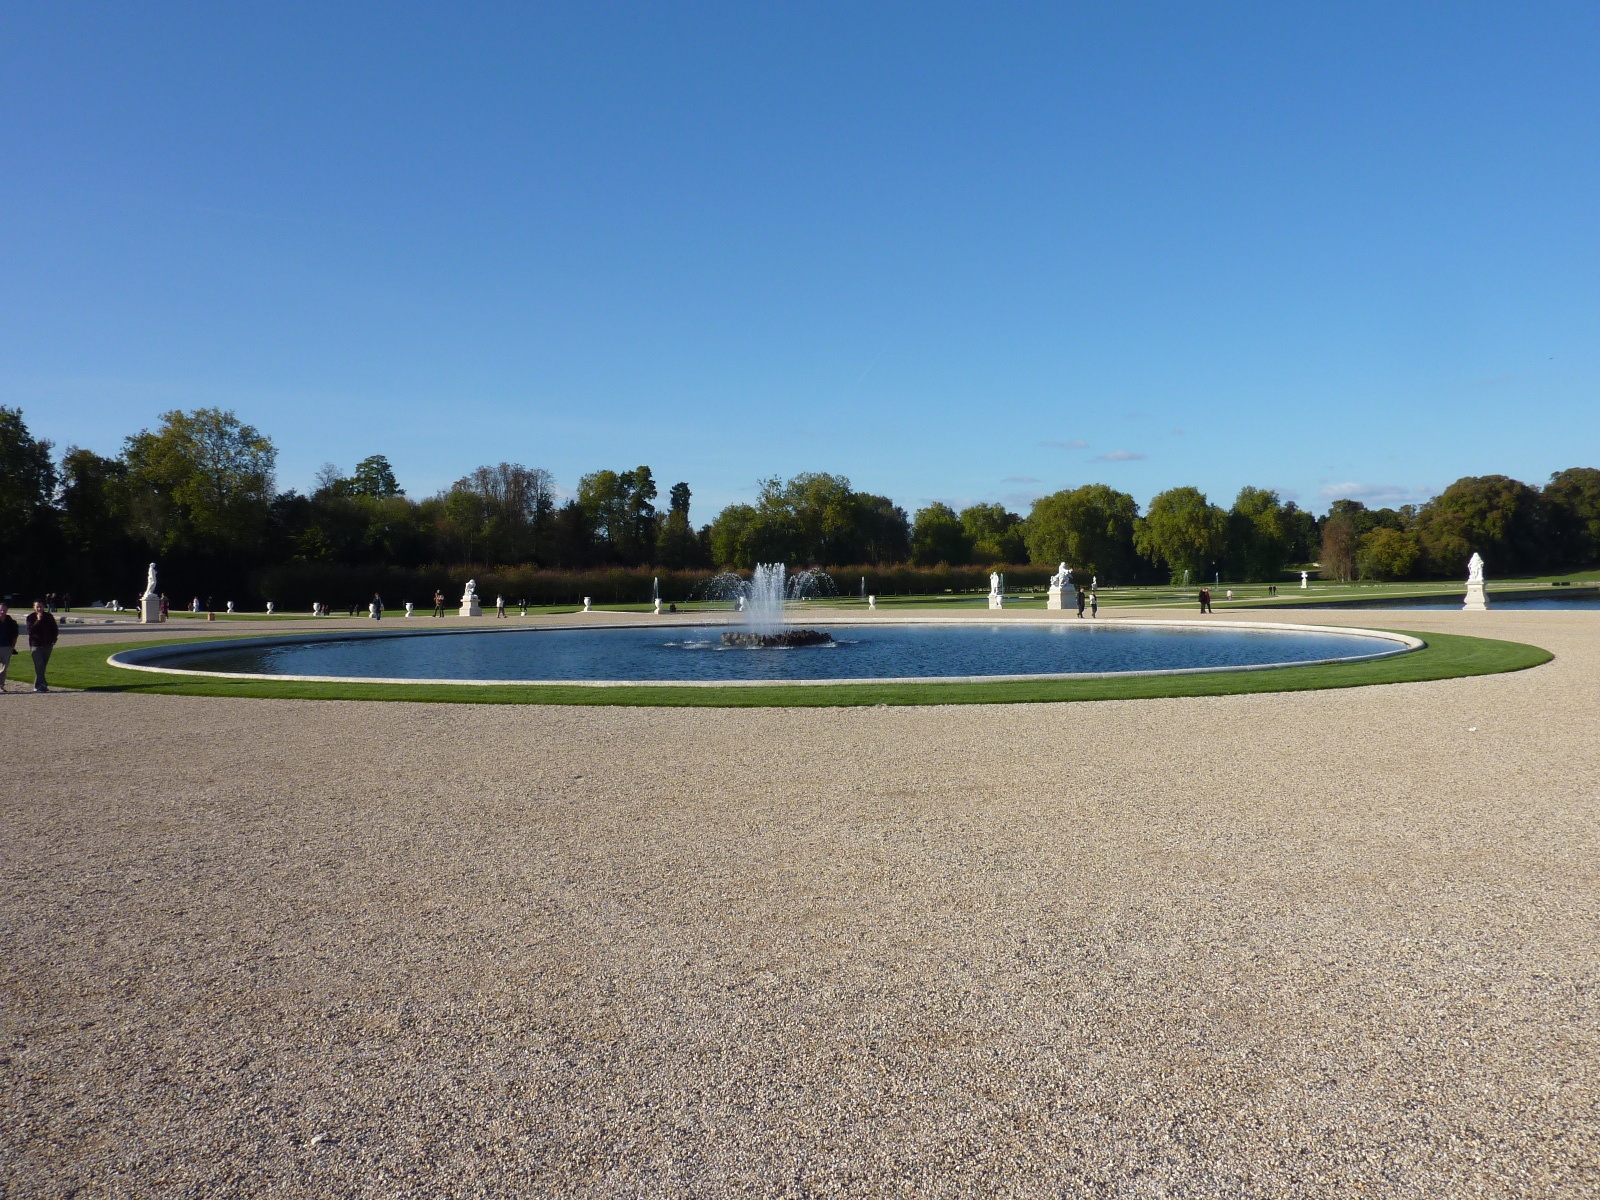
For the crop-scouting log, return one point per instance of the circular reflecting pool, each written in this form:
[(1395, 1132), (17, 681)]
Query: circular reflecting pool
[(696, 654)]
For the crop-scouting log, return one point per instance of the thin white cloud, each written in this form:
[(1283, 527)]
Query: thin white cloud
[(1120, 456), (1074, 444), (1376, 495), (1018, 501)]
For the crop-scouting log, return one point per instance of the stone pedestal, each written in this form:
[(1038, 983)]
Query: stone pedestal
[(996, 600), (1061, 599), (1476, 600), (149, 610), (471, 608)]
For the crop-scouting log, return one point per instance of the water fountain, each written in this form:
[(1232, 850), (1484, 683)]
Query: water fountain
[(762, 602)]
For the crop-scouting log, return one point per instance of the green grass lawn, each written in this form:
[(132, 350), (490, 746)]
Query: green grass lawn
[(1445, 656), (1246, 595)]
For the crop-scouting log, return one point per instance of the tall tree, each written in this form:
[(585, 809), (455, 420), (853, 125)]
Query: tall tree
[(1492, 515), (1339, 542), (27, 490), (937, 536), (1184, 531), (202, 482), (1090, 528), (996, 534), (374, 478), (676, 544), (1259, 535), (1572, 500)]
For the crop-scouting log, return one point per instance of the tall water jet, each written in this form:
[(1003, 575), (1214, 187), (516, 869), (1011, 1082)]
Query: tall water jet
[(762, 603)]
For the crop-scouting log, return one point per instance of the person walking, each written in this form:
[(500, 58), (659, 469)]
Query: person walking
[(377, 607), (1082, 598), (1205, 600), (8, 642), (1094, 604), (499, 606), (438, 603), (163, 606), (42, 634)]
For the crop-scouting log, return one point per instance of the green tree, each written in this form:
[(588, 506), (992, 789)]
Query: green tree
[(938, 536), (676, 544), (201, 483), (27, 492), (1259, 535), (1339, 542), (500, 513), (1572, 501), (995, 534), (1184, 531), (620, 509), (374, 478), (1305, 538), (1492, 515), (813, 519), (94, 501), (1090, 528), (1385, 553)]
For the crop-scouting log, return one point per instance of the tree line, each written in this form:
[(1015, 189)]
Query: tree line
[(198, 494)]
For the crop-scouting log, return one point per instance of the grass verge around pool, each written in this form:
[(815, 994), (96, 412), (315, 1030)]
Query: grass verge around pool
[(1445, 656)]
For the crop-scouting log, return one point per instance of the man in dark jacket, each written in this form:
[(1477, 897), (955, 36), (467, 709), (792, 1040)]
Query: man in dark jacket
[(42, 635), (8, 642)]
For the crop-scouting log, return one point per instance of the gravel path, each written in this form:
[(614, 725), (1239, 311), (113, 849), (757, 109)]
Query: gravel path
[(1318, 944)]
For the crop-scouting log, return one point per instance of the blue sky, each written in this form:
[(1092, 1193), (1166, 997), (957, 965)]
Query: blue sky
[(960, 253)]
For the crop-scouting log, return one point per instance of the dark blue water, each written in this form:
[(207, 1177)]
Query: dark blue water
[(693, 653), (1584, 601)]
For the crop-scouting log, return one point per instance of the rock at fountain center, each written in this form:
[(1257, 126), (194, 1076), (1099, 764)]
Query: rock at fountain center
[(787, 638)]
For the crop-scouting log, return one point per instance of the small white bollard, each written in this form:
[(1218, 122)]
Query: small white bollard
[(586, 607), (410, 608)]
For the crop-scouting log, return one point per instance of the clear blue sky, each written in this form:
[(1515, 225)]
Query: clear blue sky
[(959, 253)]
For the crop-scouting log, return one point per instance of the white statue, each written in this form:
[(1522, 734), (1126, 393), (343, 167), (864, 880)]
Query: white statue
[(469, 600), (1060, 587), (1304, 575), (1477, 600), (996, 600), (149, 603)]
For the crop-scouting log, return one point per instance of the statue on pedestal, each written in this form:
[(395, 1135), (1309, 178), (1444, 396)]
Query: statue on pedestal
[(150, 601), (1060, 588), (1477, 600), (469, 600), (996, 598)]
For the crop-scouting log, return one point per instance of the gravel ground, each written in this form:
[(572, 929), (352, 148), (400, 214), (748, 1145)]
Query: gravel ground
[(1318, 944)]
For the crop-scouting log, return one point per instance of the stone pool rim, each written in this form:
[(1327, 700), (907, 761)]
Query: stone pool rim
[(145, 658)]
